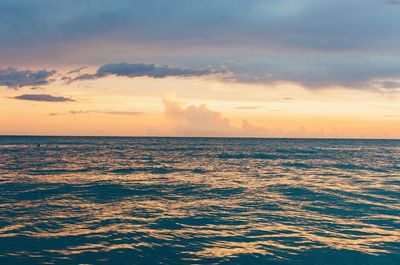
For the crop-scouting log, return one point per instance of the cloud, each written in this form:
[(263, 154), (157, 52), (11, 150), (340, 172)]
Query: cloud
[(295, 41), (138, 70), (247, 107), (201, 121), (14, 78), (390, 84), (262, 22), (43, 97), (123, 113), (313, 73), (77, 70), (318, 72)]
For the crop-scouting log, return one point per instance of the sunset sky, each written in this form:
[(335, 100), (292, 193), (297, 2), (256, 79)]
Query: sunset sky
[(248, 68)]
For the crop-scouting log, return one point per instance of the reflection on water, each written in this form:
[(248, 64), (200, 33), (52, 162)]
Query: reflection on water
[(85, 200)]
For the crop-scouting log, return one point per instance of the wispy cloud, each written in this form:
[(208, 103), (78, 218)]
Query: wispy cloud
[(390, 84), (14, 78), (125, 113), (43, 97), (247, 107), (140, 69), (77, 70), (76, 112)]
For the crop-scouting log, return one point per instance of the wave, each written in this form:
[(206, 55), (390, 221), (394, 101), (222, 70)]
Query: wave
[(358, 167), (59, 171), (297, 165), (163, 201), (247, 156), (155, 170)]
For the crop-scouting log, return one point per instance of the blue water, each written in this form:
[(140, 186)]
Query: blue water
[(108, 200)]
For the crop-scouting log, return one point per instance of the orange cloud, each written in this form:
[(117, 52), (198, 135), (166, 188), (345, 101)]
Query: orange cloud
[(201, 121)]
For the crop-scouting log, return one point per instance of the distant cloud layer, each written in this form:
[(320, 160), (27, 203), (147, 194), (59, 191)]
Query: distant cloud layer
[(258, 41), (43, 97), (199, 120), (308, 24), (14, 78), (138, 70)]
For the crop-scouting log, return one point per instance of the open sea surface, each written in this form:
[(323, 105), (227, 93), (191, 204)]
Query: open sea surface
[(110, 200)]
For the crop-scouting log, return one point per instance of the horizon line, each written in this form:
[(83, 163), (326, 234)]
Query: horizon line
[(201, 137)]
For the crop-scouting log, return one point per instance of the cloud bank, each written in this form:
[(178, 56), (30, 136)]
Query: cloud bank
[(14, 78), (43, 97), (140, 70), (259, 41), (309, 24)]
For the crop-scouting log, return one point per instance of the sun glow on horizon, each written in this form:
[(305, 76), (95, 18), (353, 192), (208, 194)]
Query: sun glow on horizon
[(250, 68), (136, 107)]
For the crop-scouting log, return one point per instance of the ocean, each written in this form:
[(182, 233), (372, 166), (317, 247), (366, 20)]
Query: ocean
[(116, 200)]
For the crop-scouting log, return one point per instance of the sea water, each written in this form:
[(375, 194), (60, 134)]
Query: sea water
[(110, 200)]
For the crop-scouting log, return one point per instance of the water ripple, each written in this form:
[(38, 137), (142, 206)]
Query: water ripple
[(198, 201)]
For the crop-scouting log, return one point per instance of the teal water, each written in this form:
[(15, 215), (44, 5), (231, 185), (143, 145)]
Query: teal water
[(108, 200)]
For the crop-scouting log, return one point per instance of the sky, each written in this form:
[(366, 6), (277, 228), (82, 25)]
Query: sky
[(210, 68)]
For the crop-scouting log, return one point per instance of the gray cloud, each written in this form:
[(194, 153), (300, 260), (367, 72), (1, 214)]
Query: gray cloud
[(360, 72), (137, 70), (43, 97), (77, 70), (297, 41), (14, 78), (309, 24), (390, 84)]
